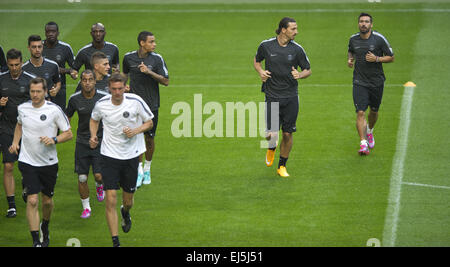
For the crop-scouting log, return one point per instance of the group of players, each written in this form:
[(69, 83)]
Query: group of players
[(111, 118)]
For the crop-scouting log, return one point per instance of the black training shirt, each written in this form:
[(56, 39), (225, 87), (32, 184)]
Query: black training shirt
[(279, 61), (365, 73)]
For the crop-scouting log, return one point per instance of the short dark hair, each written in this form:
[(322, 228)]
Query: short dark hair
[(365, 15), (117, 77), (39, 80), (14, 54), (52, 23), (87, 71), (96, 56), (284, 23), (34, 38), (143, 36)]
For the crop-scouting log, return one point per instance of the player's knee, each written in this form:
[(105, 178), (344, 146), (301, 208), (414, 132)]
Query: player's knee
[(98, 177), (82, 178), (33, 200), (9, 167)]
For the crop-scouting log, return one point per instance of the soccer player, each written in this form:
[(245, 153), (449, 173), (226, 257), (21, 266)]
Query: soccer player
[(3, 66), (101, 68), (37, 125), (367, 50), (42, 67), (61, 53), (282, 56), (83, 102), (14, 90), (98, 43), (124, 116), (146, 70)]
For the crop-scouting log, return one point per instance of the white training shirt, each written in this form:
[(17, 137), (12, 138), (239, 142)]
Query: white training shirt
[(37, 122), (130, 113)]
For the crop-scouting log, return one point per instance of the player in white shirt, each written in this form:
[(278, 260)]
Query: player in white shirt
[(36, 130), (125, 117)]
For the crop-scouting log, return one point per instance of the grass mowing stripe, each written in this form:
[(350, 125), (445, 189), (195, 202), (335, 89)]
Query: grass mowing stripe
[(393, 210)]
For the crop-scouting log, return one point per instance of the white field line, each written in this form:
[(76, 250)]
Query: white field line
[(144, 10), (393, 209), (427, 185)]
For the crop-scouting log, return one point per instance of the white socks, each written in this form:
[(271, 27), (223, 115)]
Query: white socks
[(147, 165), (85, 203), (140, 169), (369, 131)]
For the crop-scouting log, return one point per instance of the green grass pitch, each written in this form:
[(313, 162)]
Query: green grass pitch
[(217, 191)]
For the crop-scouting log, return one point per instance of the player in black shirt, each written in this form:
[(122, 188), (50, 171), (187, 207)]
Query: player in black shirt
[(43, 67), (98, 43), (83, 102), (14, 90), (367, 50), (282, 56), (100, 66), (61, 53), (146, 70)]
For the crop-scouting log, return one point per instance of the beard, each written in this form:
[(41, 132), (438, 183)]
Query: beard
[(364, 30)]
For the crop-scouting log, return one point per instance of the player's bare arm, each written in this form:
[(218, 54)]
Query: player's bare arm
[(263, 74), (93, 128), (143, 128), (55, 89), (159, 78), (370, 57), (61, 138), (14, 148), (3, 101), (300, 74), (350, 60)]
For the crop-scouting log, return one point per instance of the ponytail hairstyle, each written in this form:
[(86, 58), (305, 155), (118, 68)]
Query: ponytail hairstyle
[(284, 23)]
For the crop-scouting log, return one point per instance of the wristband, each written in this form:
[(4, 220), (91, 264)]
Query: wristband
[(377, 59), (55, 140)]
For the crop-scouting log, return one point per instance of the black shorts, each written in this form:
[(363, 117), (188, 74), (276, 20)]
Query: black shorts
[(152, 131), (118, 173), (39, 179), (287, 114), (85, 157), (5, 143), (364, 97)]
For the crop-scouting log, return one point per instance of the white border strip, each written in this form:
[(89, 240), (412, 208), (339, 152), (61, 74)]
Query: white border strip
[(393, 209), (259, 85), (289, 11)]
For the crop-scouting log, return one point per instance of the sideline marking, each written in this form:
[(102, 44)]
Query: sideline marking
[(393, 209)]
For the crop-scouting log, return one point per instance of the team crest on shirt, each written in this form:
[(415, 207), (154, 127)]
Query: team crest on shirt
[(371, 47), (290, 57), (58, 57), (126, 114), (22, 89), (43, 117), (46, 75)]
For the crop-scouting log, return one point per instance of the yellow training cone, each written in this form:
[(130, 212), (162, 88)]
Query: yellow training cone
[(409, 84)]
